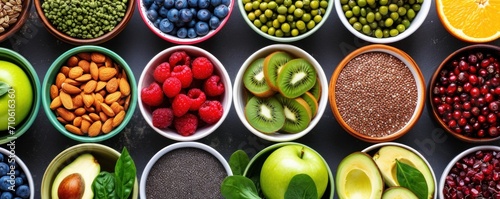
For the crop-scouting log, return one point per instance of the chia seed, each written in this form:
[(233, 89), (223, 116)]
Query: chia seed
[(376, 94), (185, 173)]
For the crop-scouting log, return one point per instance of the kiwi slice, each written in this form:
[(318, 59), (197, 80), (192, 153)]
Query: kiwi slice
[(296, 77), (273, 63), (254, 80), (265, 114), (316, 90), (297, 114), (311, 101)]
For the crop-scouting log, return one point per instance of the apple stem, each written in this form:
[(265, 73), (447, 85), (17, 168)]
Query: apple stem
[(302, 152)]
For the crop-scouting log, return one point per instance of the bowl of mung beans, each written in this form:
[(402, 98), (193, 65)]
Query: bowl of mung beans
[(13, 14), (384, 21), (377, 93), (285, 20), (85, 22)]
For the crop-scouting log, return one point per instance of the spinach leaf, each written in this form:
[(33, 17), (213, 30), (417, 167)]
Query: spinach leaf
[(238, 162), (125, 172), (4, 88), (301, 186), (103, 186), (238, 187), (412, 179)]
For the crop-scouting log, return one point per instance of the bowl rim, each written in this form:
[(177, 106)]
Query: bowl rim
[(24, 167), (415, 24), (379, 145), (54, 69), (174, 146), (419, 81), (23, 16), (488, 47), (227, 92), (462, 154), (182, 41), (93, 41), (238, 90), (328, 11), (30, 71)]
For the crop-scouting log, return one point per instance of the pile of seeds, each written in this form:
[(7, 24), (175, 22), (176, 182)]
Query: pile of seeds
[(376, 94), (9, 12)]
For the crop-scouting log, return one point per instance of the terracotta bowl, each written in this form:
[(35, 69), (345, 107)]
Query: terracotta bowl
[(21, 19)]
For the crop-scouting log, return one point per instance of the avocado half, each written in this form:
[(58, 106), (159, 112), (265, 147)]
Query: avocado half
[(386, 157), (358, 177), (87, 166), (398, 193)]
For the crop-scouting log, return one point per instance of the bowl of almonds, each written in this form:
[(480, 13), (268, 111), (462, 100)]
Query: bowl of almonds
[(13, 14), (89, 93)]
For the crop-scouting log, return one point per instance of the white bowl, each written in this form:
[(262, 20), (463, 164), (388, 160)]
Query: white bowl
[(415, 24), (179, 145), (239, 91), (24, 168), (147, 77)]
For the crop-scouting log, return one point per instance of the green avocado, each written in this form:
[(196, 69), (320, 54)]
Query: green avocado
[(358, 177), (398, 193), (386, 157), (87, 166)]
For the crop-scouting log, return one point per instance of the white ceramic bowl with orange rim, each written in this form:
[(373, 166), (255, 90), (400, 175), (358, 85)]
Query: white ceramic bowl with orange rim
[(420, 88)]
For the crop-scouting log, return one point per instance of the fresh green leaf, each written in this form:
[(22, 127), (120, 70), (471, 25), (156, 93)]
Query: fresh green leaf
[(301, 186), (4, 88), (125, 172), (238, 187), (412, 179), (103, 186), (238, 162)]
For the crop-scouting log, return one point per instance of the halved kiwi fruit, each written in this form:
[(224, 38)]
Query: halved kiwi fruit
[(316, 90), (297, 114), (265, 114), (311, 101), (296, 77), (254, 80), (273, 63)]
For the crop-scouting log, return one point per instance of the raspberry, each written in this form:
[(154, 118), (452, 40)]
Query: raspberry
[(162, 72), (172, 87), (213, 86), (211, 111), (186, 125), (152, 95), (183, 73), (181, 105), (202, 68), (197, 98), (162, 117), (179, 58)]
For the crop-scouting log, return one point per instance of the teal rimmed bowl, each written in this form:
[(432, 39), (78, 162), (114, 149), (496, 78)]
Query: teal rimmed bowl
[(50, 78), (22, 126)]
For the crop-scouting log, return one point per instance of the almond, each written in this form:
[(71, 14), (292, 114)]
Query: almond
[(75, 72), (61, 120), (88, 100), (94, 117), (84, 55), (97, 57), (100, 86), (107, 126), (68, 116), (66, 100), (117, 120), (56, 103), (70, 89), (77, 121), (127, 102), (107, 110), (94, 71), (106, 74), (108, 63), (87, 117), (103, 116), (85, 65), (54, 91), (95, 129), (124, 86), (84, 78), (65, 70), (90, 109), (80, 111), (73, 129), (113, 97), (116, 107), (72, 82), (72, 61), (90, 86), (85, 126), (112, 85), (60, 78), (77, 101), (102, 93)]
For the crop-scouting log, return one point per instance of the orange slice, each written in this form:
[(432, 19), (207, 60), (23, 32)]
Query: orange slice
[(475, 21)]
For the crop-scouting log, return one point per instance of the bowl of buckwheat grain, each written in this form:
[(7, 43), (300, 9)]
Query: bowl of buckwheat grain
[(13, 15)]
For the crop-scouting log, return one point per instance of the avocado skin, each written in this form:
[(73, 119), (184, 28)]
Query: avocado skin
[(87, 166)]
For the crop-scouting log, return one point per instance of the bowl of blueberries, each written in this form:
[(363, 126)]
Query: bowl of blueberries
[(185, 21), (15, 177)]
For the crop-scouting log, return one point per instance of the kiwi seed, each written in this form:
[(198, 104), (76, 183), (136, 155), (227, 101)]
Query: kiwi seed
[(296, 77), (273, 64), (254, 80), (265, 114), (297, 114)]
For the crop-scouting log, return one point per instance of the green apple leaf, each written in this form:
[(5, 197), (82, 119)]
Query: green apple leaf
[(238, 187), (412, 179), (238, 162), (301, 186), (4, 88)]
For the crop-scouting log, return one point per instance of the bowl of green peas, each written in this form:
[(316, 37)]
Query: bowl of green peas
[(285, 20), (382, 21)]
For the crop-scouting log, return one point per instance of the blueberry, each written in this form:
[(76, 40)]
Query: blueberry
[(23, 191), (221, 11), (23, 176), (154, 6), (215, 2), (19, 181), (226, 2), (191, 24), (173, 15), (166, 26), (182, 32), (204, 15), (186, 15), (147, 3), (168, 3), (1, 157), (179, 23), (174, 31), (192, 3), (152, 15), (201, 28), (180, 4), (17, 197), (6, 195), (5, 183), (214, 22), (157, 23), (163, 12), (203, 3), (191, 33), (159, 2), (4, 168)]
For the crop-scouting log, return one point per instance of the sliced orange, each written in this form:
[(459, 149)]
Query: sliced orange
[(475, 21)]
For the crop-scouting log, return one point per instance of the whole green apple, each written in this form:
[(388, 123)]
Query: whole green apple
[(16, 96), (287, 161)]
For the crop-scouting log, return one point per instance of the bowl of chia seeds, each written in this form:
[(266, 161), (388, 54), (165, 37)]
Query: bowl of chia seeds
[(377, 93), (184, 170)]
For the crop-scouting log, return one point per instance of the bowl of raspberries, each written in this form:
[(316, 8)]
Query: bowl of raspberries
[(185, 93)]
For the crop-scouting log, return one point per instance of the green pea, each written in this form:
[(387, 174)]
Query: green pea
[(370, 17), (264, 28), (373, 25), (263, 18), (363, 12), (299, 4), (285, 27), (279, 33), (401, 28), (406, 23), (310, 25), (251, 16), (248, 7), (410, 14), (356, 10), (401, 11), (349, 14), (351, 4), (367, 30), (276, 24), (411, 1), (291, 9), (393, 32), (271, 31), (345, 8), (378, 16), (281, 18), (301, 25), (353, 20), (323, 4), (306, 17), (416, 7), (357, 26), (307, 2), (420, 1), (287, 3), (342, 2), (315, 12), (393, 7), (263, 6), (388, 22), (362, 3), (386, 33), (255, 5), (257, 23), (317, 18), (383, 10), (298, 13), (394, 16), (362, 20), (268, 13), (370, 2), (290, 18), (269, 23), (282, 10), (272, 5), (257, 13), (378, 33), (383, 2), (294, 32)]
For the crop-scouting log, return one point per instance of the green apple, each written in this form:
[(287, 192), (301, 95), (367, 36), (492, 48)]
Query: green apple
[(287, 161), (16, 95)]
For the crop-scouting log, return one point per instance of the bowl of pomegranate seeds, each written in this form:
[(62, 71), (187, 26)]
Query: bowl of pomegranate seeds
[(185, 93), (465, 93), (474, 173)]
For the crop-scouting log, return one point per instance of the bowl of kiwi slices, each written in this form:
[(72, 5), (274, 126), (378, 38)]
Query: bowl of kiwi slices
[(280, 93)]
